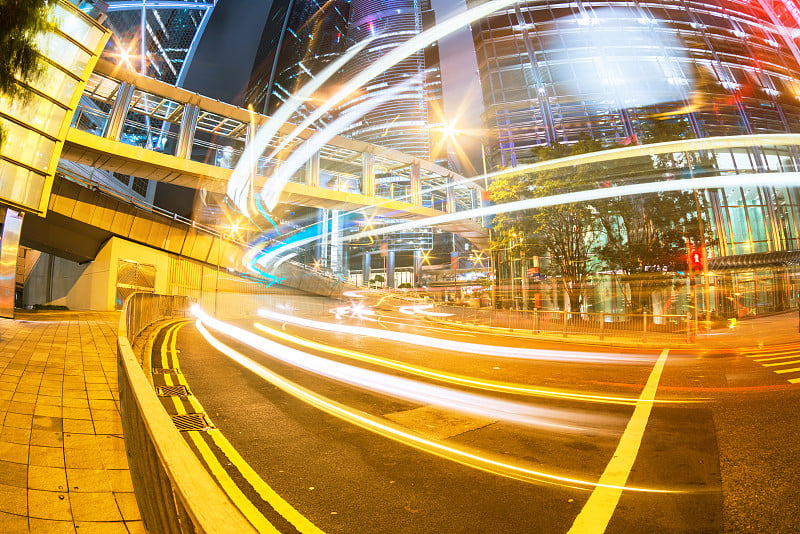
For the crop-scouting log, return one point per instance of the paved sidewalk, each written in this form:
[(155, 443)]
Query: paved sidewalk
[(62, 457), (769, 330)]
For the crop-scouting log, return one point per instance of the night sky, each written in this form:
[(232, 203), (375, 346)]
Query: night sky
[(225, 55)]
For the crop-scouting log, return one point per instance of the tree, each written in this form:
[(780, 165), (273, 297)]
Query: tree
[(20, 22), (650, 233), (565, 232)]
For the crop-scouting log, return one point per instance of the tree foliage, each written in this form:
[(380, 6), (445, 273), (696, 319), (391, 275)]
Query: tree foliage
[(563, 232), (20, 21), (651, 233), (632, 234)]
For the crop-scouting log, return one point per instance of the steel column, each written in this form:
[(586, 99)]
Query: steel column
[(390, 270), (451, 197), (416, 185), (366, 265), (119, 112), (186, 134), (368, 174), (9, 251), (312, 170)]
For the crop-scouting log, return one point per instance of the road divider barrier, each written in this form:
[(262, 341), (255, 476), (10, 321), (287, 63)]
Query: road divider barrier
[(174, 491)]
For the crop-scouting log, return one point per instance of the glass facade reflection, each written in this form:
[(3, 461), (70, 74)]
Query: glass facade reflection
[(158, 41), (554, 71), (36, 128)]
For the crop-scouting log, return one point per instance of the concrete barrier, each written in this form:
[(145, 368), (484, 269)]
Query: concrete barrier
[(174, 491)]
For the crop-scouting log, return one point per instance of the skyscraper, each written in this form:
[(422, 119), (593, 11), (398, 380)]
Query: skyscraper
[(299, 39), (554, 71), (157, 40), (551, 71)]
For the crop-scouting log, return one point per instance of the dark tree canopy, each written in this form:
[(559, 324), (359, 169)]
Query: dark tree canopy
[(20, 21)]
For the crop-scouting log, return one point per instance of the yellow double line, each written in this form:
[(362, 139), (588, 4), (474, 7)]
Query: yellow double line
[(169, 359)]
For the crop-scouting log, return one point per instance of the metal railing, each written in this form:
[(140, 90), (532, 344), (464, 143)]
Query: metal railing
[(641, 326), (174, 491)]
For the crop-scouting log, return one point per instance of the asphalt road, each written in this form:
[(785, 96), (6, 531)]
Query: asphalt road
[(718, 451)]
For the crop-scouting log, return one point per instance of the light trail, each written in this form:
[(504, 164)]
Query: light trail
[(785, 179), (422, 309), (426, 394), (461, 346), (651, 149), (271, 192), (459, 454), (451, 378), (238, 189), (393, 57)]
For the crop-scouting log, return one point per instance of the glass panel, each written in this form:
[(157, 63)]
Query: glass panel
[(63, 52), (13, 182), (34, 189), (27, 146), (38, 112), (757, 224), (77, 28), (738, 225), (54, 83)]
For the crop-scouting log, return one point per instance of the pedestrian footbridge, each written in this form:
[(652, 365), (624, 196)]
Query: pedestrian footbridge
[(134, 125)]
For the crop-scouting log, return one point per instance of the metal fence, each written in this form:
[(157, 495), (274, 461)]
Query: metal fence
[(174, 491), (632, 326)]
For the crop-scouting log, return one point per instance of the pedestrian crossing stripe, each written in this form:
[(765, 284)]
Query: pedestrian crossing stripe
[(778, 364), (794, 370), (776, 358)]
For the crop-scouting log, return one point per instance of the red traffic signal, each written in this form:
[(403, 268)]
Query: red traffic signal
[(696, 260)]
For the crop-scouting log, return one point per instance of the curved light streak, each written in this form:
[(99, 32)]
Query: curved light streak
[(418, 392), (422, 309), (651, 149), (459, 346), (271, 192), (238, 183), (786, 179), (452, 378), (396, 55), (380, 426)]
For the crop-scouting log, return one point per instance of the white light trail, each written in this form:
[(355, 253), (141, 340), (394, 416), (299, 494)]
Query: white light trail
[(392, 58), (651, 149), (271, 192), (422, 309), (786, 179), (420, 392), (455, 453), (238, 183), (459, 346)]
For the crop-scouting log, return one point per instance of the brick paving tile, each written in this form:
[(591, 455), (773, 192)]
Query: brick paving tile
[(63, 467)]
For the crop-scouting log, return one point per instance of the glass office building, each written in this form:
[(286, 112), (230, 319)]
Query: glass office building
[(157, 39), (552, 71)]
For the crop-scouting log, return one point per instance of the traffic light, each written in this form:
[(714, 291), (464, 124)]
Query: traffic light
[(695, 260)]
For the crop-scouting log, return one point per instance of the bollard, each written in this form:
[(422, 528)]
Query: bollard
[(644, 326), (602, 324)]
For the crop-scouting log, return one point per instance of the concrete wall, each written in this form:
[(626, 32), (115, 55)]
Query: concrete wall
[(92, 285)]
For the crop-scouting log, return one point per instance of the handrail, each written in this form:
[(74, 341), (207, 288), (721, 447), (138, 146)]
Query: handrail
[(174, 491)]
